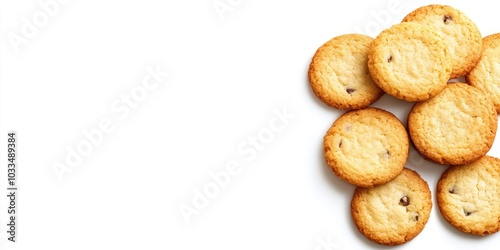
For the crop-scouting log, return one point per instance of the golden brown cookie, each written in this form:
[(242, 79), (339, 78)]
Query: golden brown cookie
[(410, 61), (468, 196), (457, 126), (487, 40), (338, 74), (459, 33), (393, 213), (366, 147), (486, 75)]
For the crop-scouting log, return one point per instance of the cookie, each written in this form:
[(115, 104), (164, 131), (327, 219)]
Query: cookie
[(486, 75), (487, 40), (410, 61), (338, 74), (393, 213), (468, 196), (459, 33), (366, 147), (457, 126)]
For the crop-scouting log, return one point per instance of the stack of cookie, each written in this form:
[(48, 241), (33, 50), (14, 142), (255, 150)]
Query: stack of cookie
[(453, 124)]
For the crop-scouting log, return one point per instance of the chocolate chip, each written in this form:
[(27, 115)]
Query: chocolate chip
[(340, 143), (390, 59), (452, 190), (384, 155), (405, 201), (415, 216), (349, 90), (467, 213), (447, 19)]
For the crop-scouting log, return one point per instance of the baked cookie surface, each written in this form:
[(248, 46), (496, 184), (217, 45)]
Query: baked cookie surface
[(410, 61), (459, 33), (487, 40), (338, 73), (455, 127), (485, 76), (468, 196), (393, 213), (366, 147)]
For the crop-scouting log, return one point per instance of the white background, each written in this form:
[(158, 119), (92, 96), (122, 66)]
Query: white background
[(226, 76)]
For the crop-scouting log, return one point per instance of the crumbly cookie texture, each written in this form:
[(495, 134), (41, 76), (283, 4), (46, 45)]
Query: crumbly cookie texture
[(339, 76), (455, 127), (366, 147), (487, 40), (486, 74), (468, 196), (410, 61), (393, 213), (459, 33)]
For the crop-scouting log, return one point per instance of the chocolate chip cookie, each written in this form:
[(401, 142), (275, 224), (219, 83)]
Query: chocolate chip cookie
[(459, 33), (339, 76), (366, 147), (410, 61), (486, 74), (393, 213), (457, 126), (468, 196)]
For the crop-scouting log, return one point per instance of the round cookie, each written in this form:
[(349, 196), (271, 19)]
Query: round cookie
[(393, 213), (339, 76), (486, 75), (366, 147), (459, 33), (468, 196), (487, 40), (455, 127), (410, 61)]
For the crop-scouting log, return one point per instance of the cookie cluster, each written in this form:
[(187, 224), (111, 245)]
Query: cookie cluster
[(451, 123)]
